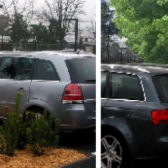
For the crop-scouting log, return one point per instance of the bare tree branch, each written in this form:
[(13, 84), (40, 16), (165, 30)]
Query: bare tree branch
[(25, 8), (62, 9)]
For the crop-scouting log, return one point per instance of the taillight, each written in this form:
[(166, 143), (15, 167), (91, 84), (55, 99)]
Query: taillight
[(72, 94), (160, 116)]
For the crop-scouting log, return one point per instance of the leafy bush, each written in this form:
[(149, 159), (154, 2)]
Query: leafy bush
[(41, 132), (16, 133)]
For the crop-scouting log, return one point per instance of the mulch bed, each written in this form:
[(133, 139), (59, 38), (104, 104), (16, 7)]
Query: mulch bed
[(51, 158)]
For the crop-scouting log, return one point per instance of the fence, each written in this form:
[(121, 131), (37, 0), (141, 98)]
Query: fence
[(42, 47)]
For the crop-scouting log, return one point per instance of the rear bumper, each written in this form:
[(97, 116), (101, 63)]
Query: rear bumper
[(75, 117)]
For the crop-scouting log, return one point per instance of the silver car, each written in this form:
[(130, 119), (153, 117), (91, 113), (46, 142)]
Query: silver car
[(61, 82)]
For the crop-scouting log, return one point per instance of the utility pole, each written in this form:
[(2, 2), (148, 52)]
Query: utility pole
[(35, 43), (76, 33), (2, 42)]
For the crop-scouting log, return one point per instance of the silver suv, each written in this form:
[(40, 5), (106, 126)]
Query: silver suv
[(61, 82)]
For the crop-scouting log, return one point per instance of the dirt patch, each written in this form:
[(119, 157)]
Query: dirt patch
[(52, 158)]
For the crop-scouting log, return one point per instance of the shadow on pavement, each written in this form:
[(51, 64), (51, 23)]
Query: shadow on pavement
[(89, 162), (82, 141), (152, 163)]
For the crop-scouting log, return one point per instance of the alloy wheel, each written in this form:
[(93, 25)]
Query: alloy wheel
[(111, 152)]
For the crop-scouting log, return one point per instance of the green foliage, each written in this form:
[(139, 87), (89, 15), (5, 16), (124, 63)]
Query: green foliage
[(19, 28), (145, 24), (16, 133), (54, 34), (56, 31), (10, 132), (107, 14), (108, 27), (1, 29), (41, 33), (41, 132)]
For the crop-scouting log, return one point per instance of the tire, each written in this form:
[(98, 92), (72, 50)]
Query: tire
[(37, 113), (40, 112), (114, 153)]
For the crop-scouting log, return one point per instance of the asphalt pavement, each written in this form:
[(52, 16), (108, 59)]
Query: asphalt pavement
[(83, 142), (151, 163), (89, 162)]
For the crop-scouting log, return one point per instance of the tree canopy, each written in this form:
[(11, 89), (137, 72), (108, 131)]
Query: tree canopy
[(40, 31), (23, 13), (108, 28), (56, 11), (107, 14), (19, 29), (145, 24)]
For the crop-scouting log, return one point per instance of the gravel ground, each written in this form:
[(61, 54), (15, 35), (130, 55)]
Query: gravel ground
[(50, 159)]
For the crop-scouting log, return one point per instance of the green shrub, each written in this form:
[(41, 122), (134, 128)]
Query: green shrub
[(9, 131), (16, 133), (41, 132)]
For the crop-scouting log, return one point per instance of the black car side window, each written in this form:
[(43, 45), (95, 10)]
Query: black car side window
[(124, 86), (15, 68), (103, 84), (44, 70)]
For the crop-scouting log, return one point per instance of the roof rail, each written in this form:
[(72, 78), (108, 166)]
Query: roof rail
[(150, 64)]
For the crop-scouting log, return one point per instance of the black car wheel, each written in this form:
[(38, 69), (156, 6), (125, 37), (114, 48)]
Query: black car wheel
[(112, 152)]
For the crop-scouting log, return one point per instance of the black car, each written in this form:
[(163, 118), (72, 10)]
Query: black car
[(134, 113)]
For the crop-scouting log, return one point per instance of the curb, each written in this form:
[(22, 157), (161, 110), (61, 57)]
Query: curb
[(89, 162)]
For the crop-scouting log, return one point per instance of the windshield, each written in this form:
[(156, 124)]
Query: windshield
[(161, 85), (82, 70)]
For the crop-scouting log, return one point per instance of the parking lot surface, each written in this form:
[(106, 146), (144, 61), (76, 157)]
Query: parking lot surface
[(89, 162), (83, 142), (154, 163)]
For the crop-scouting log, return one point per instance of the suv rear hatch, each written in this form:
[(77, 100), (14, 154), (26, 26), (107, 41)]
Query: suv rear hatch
[(83, 72)]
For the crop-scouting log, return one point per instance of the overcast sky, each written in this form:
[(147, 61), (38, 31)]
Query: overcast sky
[(90, 9)]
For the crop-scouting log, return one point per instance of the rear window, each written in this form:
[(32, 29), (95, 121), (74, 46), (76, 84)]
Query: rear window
[(161, 85), (82, 70)]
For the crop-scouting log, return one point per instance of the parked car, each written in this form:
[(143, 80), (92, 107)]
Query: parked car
[(63, 83), (134, 113)]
